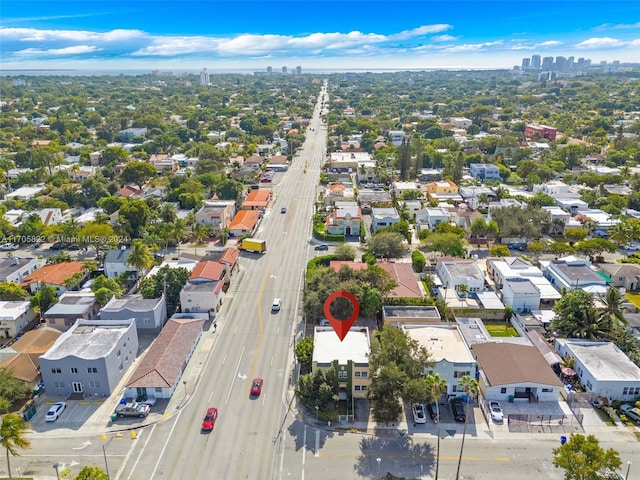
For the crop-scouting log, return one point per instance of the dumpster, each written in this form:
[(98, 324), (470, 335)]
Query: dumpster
[(114, 417)]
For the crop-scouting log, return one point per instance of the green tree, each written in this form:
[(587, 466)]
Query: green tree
[(138, 173), (304, 352), (447, 244), (44, 299), (576, 317), (470, 387), (418, 261), (436, 386), (141, 257), (582, 458), (11, 390), (91, 473), (96, 235), (168, 281), (344, 251), (134, 217), (386, 245), (12, 291), (13, 431), (575, 234), (612, 313), (499, 251)]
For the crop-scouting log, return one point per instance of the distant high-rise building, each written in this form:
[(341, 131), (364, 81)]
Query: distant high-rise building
[(561, 64), (547, 63), (298, 70), (571, 62), (535, 62), (269, 70), (284, 70), (526, 63), (204, 77)]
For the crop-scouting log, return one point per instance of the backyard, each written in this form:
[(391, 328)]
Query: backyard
[(501, 330)]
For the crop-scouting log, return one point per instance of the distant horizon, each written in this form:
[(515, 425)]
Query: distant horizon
[(328, 35)]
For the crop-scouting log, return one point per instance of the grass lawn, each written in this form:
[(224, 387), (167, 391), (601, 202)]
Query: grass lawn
[(501, 330), (634, 298)]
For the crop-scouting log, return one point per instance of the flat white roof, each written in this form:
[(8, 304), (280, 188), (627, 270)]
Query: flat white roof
[(12, 309), (327, 347), (89, 340), (490, 300), (443, 342), (604, 360)]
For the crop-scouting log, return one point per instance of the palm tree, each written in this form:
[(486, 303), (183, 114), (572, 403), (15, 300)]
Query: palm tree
[(612, 313), (619, 234), (470, 387), (12, 436), (141, 257), (167, 213), (436, 386), (179, 231), (199, 231)]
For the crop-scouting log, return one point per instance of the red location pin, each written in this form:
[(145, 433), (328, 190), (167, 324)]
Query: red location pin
[(341, 327)]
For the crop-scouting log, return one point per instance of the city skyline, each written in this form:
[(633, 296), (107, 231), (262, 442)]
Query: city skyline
[(317, 35)]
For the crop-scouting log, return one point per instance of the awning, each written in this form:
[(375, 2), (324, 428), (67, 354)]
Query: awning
[(568, 372)]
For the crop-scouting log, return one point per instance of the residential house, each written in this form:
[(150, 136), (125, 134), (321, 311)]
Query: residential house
[(203, 292), (14, 269), (90, 358), (541, 131), (22, 357), (484, 171), (520, 294), (24, 193), (572, 205), (349, 357), (115, 262), (461, 122), (440, 187), (411, 206), (82, 173), (70, 307), (244, 223), (396, 137), (49, 216), (573, 273), (129, 133), (257, 199), (159, 372), (429, 218), (336, 265), (559, 219), (625, 275), (368, 197), (56, 275), (553, 188), (15, 316), (602, 368), (405, 314), (229, 257), (456, 272), (501, 269), (129, 191), (398, 188), (513, 372), (150, 313), (254, 162), (383, 217), (429, 174), (340, 192), (473, 194), (448, 352), (407, 283), (217, 214), (504, 203), (602, 219), (344, 221)]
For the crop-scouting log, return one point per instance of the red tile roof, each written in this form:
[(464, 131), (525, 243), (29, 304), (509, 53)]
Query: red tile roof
[(55, 274), (403, 275), (230, 256), (161, 367), (257, 198), (245, 220), (208, 271), (338, 264)]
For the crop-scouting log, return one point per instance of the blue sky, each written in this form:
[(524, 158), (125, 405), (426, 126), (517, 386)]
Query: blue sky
[(331, 34)]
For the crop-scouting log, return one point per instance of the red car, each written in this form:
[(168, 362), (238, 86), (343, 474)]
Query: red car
[(209, 419), (256, 386)]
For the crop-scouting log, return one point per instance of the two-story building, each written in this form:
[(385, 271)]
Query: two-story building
[(14, 269), (520, 294), (456, 272), (15, 316), (484, 171), (571, 273), (70, 307), (349, 357), (448, 351), (383, 217), (116, 262), (217, 214), (344, 221), (203, 292), (150, 313), (429, 218), (90, 358)]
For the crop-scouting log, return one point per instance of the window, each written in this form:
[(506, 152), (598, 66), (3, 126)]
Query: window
[(342, 375), (120, 367), (457, 374), (547, 390), (363, 388), (118, 354), (56, 370), (589, 386), (94, 384), (58, 384), (74, 370), (364, 374), (625, 391), (357, 388), (503, 390), (158, 389), (147, 321), (356, 374), (92, 370)]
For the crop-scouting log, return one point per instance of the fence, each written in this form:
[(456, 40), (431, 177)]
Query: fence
[(545, 423)]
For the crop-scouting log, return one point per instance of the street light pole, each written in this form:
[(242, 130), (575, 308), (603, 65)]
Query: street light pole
[(626, 477), (185, 388), (55, 466), (317, 408), (104, 453), (378, 460)]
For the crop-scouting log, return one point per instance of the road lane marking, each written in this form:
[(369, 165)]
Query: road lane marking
[(316, 452), (271, 362), (166, 444), (133, 468), (210, 395), (304, 449), (224, 359), (226, 402), (263, 397)]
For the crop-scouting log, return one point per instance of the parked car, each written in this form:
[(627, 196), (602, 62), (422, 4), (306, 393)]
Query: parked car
[(57, 246), (132, 409), (419, 415), (9, 247), (256, 386), (209, 419), (148, 400), (631, 411), (457, 407), (54, 411), (321, 246), (631, 247), (496, 411), (432, 408)]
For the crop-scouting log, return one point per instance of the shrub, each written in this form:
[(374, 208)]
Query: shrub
[(418, 261)]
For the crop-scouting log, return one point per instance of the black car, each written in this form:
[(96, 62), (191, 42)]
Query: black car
[(322, 246), (57, 246), (457, 407), (433, 412)]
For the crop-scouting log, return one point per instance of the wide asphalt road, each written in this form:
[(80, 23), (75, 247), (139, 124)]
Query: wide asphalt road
[(251, 341)]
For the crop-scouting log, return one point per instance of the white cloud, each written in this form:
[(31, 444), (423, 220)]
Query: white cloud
[(472, 47), (601, 42), (421, 31), (61, 51), (549, 43), (444, 38), (619, 26)]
